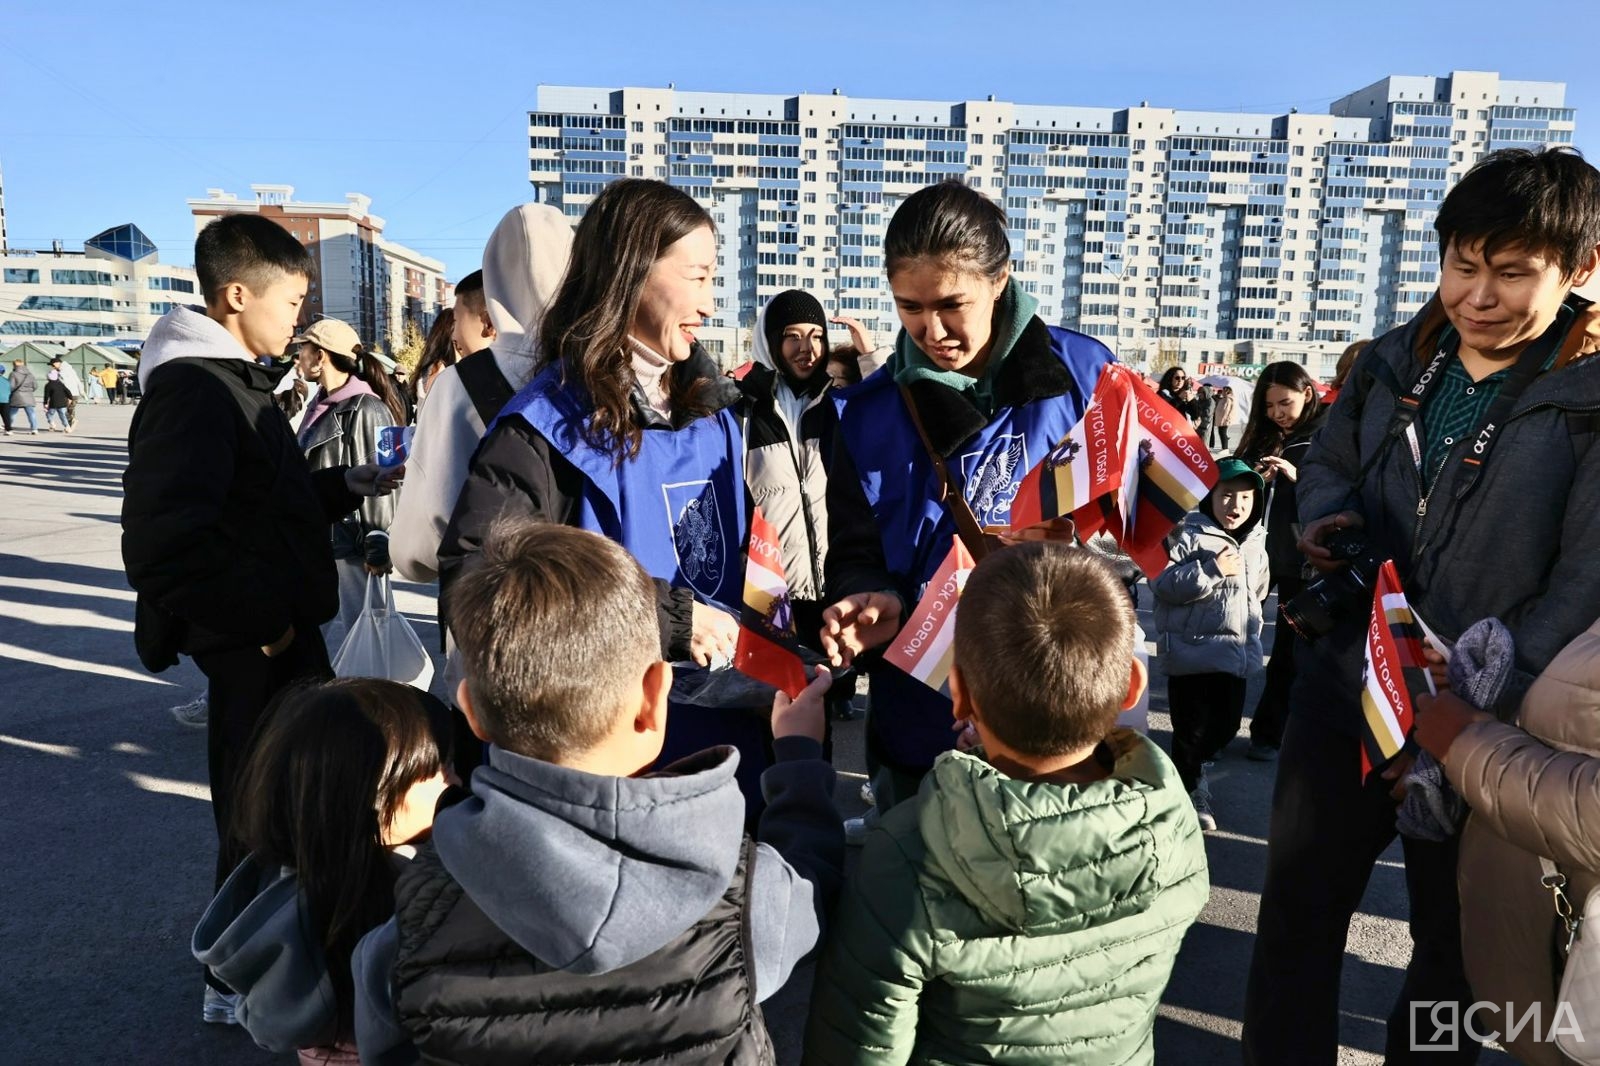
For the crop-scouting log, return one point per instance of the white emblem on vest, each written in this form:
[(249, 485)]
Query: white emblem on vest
[(992, 475), (697, 537)]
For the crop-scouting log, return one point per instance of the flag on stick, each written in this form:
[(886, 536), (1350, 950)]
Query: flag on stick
[(1395, 673), (768, 649), (1175, 471), (925, 646), (1085, 465)]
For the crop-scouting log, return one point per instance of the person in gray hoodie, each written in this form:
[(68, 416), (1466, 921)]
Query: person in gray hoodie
[(23, 394), (1208, 615), (573, 909)]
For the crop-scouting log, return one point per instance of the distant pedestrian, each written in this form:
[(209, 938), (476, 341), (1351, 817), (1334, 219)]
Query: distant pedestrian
[(74, 384), (371, 757), (1222, 415), (5, 403), (57, 401), (1203, 404), (24, 393), (123, 377)]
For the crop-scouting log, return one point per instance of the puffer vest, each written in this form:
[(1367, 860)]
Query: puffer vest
[(468, 993)]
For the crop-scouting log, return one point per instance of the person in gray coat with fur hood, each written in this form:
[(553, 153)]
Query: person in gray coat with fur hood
[(1208, 615)]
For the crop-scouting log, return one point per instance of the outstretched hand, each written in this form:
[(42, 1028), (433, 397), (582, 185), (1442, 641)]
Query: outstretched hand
[(807, 714), (370, 479), (857, 623)]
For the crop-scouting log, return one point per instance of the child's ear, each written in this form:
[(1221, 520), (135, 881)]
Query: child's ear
[(960, 698), (652, 716), (464, 701), (233, 297), (1138, 678), (488, 328)]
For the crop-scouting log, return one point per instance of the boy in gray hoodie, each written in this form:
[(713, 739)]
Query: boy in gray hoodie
[(574, 909)]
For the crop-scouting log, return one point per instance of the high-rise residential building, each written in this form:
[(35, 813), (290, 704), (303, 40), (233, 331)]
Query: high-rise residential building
[(1205, 236), (111, 293), (362, 278)]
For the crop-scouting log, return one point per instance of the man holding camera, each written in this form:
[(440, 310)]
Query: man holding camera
[(1461, 448)]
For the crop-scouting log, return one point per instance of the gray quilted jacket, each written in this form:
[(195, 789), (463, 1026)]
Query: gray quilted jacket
[(1208, 623)]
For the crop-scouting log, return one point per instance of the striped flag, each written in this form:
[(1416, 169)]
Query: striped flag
[(768, 649), (1175, 472), (1395, 673), (1085, 465), (925, 646)]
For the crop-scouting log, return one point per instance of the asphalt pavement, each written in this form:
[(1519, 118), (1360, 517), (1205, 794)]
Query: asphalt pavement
[(109, 839)]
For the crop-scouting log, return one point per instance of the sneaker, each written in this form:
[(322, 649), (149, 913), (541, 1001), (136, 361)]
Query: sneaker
[(220, 1008), (856, 829), (1201, 798), (192, 714), (1262, 753)]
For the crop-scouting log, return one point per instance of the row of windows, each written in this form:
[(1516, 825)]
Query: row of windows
[(906, 155), (1230, 166), (1227, 144), (21, 276), (1086, 140), (66, 303), (14, 328), (904, 133), (166, 284)]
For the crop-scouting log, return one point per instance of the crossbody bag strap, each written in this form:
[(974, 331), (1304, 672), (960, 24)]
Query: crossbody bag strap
[(954, 502)]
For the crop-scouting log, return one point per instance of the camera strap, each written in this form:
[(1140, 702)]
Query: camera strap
[(1408, 406)]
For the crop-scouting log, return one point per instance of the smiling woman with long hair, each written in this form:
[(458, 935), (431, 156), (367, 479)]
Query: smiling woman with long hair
[(628, 430), (977, 385)]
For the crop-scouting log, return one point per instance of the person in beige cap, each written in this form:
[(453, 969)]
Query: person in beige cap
[(355, 399)]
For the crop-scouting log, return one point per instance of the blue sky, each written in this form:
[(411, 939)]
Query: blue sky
[(114, 113)]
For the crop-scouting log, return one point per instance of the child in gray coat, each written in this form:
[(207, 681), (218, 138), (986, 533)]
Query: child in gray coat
[(1208, 616)]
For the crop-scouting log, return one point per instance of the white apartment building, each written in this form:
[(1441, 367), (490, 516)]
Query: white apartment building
[(111, 293), (1169, 234), (362, 278)]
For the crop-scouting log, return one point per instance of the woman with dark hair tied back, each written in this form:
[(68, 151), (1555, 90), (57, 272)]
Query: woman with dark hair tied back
[(1284, 415), (356, 398), (630, 430), (438, 352), (979, 386), (341, 784)]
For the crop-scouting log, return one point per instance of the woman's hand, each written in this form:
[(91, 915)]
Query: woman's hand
[(1273, 465), (859, 336), (1440, 719), (859, 622), (714, 635)]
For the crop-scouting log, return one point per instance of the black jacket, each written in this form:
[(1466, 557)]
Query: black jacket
[(56, 394), (346, 435), (224, 528), (516, 472), (1283, 514)]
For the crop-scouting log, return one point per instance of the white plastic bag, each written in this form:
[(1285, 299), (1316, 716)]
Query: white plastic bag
[(381, 643)]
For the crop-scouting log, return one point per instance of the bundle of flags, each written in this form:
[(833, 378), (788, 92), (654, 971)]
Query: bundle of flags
[(1132, 467), (925, 645), (768, 648), (1395, 673)]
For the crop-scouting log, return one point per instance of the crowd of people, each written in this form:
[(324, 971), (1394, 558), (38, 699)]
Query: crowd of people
[(601, 845), (21, 396)]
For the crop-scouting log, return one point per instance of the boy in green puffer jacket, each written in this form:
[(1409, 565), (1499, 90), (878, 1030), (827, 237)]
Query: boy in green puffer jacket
[(1027, 907)]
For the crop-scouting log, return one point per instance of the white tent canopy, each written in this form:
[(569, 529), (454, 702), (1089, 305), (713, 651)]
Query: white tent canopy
[(1242, 392)]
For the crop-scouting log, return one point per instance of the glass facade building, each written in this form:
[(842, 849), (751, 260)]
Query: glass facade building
[(1205, 235)]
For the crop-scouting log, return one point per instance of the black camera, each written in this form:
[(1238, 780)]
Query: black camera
[(1339, 594)]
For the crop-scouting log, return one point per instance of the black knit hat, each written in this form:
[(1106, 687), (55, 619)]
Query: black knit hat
[(789, 308)]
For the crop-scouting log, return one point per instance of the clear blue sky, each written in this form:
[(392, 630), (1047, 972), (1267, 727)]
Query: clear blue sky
[(113, 113)]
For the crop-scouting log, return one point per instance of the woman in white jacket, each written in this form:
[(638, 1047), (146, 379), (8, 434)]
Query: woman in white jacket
[(523, 264)]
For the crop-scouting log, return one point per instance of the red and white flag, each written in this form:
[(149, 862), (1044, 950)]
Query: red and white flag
[(1395, 673), (768, 649), (925, 646)]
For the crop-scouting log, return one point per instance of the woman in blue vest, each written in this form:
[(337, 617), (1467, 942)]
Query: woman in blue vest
[(993, 389), (629, 430)]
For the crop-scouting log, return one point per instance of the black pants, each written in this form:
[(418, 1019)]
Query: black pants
[(242, 683), (1328, 829), (1206, 710), (5, 416), (1272, 709)]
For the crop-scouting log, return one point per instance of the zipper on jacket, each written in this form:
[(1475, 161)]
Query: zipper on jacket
[(805, 512)]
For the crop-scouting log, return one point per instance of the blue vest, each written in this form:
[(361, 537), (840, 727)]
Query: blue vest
[(677, 506), (912, 721)]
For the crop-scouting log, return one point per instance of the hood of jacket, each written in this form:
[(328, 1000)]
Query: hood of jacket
[(253, 937), (187, 333), (591, 873), (790, 404), (523, 265), (1039, 858)]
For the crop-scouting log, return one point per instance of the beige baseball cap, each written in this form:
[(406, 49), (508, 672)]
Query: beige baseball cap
[(331, 335)]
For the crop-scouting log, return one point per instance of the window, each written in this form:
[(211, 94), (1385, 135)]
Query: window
[(172, 284), (80, 277), (21, 276)]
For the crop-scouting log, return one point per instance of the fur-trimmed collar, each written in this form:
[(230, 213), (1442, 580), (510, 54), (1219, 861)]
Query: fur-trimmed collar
[(1032, 372)]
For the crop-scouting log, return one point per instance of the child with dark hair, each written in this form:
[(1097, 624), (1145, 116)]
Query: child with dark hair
[(341, 786), (1027, 905), (224, 528), (580, 908)]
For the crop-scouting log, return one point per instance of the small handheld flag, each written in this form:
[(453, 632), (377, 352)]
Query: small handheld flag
[(925, 646), (1395, 673), (1175, 471), (1084, 465), (768, 649)]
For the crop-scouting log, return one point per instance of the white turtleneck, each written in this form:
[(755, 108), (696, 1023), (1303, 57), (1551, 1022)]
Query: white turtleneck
[(651, 367)]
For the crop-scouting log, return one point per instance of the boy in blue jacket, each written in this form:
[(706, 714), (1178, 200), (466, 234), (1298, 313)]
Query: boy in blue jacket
[(576, 908)]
